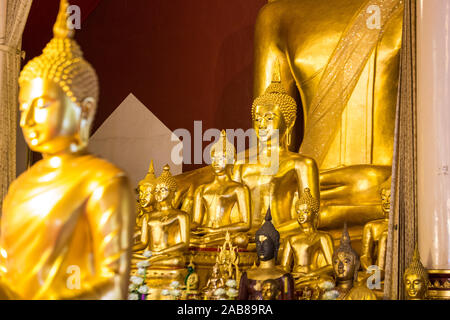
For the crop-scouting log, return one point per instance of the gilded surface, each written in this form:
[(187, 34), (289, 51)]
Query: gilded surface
[(67, 222)]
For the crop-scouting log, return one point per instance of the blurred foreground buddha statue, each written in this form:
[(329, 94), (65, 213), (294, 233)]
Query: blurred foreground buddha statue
[(346, 264), (308, 253), (223, 205), (274, 175), (415, 279), (252, 281), (374, 241), (340, 59), (146, 199), (67, 222)]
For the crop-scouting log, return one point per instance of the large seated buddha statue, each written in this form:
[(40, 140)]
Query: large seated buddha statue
[(340, 60), (274, 175), (67, 222), (222, 205)]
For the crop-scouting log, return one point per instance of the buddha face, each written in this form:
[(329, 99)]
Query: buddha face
[(146, 197), (50, 120), (386, 201), (162, 192), (265, 248), (344, 266), (269, 291), (415, 286), (268, 123), (304, 214), (218, 162)]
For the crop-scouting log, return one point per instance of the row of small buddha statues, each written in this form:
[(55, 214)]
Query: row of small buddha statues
[(221, 214)]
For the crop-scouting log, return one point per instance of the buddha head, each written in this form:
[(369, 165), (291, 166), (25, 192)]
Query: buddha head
[(415, 278), (165, 186), (267, 240), (274, 112), (270, 289), (222, 154), (386, 202), (146, 188), (58, 94), (345, 259), (307, 208)]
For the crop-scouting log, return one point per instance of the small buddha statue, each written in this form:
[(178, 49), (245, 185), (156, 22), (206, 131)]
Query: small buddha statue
[(251, 284), (146, 188), (346, 264), (168, 228), (415, 279), (274, 175), (192, 282), (270, 289), (215, 281), (310, 252), (374, 241), (67, 222), (222, 205)]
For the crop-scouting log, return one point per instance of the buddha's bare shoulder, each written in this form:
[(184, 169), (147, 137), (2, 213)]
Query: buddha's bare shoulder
[(296, 159)]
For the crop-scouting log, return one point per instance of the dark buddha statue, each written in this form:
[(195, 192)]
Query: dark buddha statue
[(252, 282)]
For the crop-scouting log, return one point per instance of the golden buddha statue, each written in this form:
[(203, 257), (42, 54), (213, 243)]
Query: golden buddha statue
[(146, 205), (374, 241), (274, 175), (310, 252), (67, 222), (167, 239), (192, 283), (267, 240), (168, 228), (415, 279), (215, 281), (347, 89), (223, 205), (346, 264)]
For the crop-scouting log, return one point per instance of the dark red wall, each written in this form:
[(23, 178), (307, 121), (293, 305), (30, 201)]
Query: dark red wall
[(185, 60)]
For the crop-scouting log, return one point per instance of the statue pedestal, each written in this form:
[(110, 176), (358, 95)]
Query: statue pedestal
[(205, 258), (158, 279)]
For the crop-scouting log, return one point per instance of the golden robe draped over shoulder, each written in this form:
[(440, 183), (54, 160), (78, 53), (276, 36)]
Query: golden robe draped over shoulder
[(66, 230)]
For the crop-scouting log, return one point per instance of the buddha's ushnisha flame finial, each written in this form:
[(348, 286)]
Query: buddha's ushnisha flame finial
[(62, 62), (61, 28), (150, 177), (224, 147)]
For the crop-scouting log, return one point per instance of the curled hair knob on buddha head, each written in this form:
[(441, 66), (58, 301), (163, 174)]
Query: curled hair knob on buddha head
[(167, 179), (62, 62), (276, 94)]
